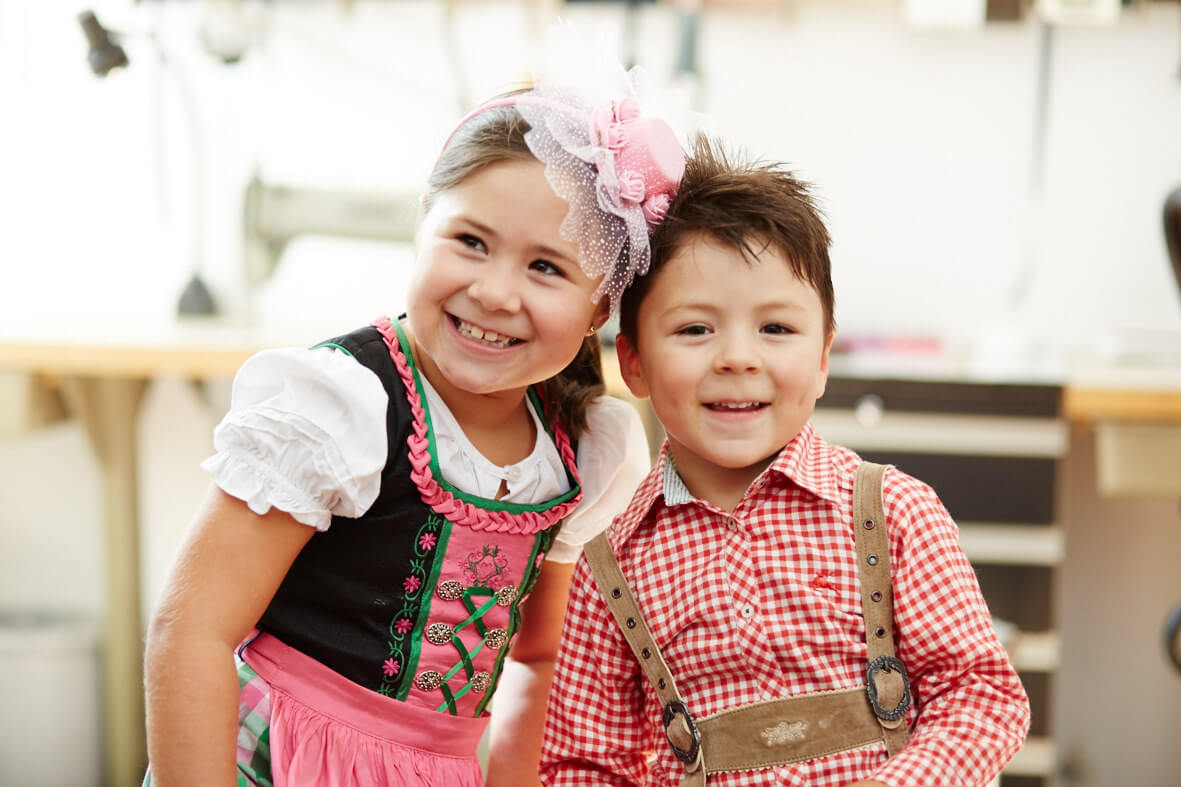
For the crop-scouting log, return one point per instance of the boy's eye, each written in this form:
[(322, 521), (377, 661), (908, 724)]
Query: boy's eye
[(696, 329), (471, 241), (778, 329), (546, 267)]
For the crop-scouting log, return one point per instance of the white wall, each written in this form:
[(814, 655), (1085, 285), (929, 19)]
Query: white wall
[(919, 142)]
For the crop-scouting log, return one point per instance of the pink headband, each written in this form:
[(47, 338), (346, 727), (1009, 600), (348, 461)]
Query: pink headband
[(617, 169)]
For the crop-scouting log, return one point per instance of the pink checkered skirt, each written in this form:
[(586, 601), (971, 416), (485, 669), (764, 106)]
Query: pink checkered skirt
[(325, 730)]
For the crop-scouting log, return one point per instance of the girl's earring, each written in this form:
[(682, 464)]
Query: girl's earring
[(591, 330)]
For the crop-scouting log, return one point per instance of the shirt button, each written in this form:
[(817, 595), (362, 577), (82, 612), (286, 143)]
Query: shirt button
[(748, 611), (512, 474)]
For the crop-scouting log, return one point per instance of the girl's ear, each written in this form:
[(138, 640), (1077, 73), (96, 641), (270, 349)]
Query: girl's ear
[(630, 368), (600, 317)]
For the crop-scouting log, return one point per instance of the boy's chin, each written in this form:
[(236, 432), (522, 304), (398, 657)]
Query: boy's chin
[(735, 461)]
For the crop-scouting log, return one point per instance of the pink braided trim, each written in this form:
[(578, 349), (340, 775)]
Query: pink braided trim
[(439, 499)]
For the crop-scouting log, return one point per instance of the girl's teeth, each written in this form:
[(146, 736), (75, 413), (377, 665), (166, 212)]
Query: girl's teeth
[(479, 333)]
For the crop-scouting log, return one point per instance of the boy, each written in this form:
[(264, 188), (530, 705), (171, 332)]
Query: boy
[(739, 546)]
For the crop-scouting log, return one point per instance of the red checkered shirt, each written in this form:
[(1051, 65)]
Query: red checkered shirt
[(765, 603)]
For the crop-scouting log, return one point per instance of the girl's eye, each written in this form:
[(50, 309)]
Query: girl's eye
[(546, 267), (778, 329), (471, 241), (697, 329)]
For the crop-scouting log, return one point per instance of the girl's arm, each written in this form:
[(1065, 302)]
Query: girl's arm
[(518, 710), (228, 568)]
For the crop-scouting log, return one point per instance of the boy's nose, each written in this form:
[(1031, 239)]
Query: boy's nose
[(737, 353), (495, 287)]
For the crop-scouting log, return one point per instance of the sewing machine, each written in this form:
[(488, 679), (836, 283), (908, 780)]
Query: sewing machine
[(274, 214)]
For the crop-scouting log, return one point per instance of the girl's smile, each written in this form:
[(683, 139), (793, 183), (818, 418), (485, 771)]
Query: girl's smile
[(484, 336)]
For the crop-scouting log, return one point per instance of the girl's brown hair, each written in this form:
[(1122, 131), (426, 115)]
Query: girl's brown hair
[(494, 135)]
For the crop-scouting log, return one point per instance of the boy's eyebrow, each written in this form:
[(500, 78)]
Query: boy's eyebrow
[(714, 306)]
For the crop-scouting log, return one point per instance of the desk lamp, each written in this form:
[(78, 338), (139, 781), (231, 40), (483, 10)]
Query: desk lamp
[(1172, 218), (107, 55)]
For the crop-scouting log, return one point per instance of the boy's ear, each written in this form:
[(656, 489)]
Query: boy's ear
[(822, 378), (629, 367)]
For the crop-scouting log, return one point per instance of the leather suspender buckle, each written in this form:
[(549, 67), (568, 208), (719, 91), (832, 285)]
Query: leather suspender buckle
[(887, 664), (686, 754)]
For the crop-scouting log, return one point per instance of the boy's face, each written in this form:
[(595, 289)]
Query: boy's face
[(733, 355)]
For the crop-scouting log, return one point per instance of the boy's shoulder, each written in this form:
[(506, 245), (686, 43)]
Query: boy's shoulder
[(897, 484), (639, 509)]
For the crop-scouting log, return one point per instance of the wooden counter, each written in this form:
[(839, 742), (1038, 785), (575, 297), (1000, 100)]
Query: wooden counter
[(103, 385), (1087, 405)]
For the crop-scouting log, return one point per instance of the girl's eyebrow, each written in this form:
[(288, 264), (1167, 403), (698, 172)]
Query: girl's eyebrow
[(562, 256), (478, 226), (540, 248)]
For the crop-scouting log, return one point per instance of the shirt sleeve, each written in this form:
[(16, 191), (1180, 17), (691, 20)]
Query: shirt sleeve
[(612, 460), (595, 731), (973, 712), (305, 434)]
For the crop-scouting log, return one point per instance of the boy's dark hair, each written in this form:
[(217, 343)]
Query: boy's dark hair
[(493, 136), (747, 205)]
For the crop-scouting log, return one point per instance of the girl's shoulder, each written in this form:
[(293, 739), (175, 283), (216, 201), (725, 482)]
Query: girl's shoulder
[(366, 345)]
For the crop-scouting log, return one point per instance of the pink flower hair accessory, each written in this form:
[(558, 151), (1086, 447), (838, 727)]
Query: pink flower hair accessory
[(616, 168)]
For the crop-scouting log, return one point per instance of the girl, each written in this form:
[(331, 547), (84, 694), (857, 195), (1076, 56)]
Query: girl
[(370, 557)]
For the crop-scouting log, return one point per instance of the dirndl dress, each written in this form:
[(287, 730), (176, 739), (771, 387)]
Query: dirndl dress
[(376, 659)]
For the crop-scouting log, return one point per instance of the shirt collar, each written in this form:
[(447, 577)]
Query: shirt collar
[(807, 460)]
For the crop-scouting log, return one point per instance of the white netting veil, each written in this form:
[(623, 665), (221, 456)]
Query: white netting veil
[(616, 168)]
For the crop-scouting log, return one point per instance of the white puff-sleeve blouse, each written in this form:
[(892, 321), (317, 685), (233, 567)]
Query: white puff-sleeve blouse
[(305, 434)]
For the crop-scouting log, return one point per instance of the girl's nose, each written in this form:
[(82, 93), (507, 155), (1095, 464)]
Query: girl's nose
[(737, 353), (495, 287)]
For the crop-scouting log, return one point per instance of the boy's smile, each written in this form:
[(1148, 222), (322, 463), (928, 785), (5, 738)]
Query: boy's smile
[(733, 355)]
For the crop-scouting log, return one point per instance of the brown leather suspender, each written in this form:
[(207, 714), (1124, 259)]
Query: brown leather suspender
[(776, 732), (885, 680)]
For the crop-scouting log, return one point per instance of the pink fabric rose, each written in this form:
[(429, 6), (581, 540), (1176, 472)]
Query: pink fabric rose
[(615, 137), (607, 123), (655, 207), (627, 109), (631, 186), (601, 120)]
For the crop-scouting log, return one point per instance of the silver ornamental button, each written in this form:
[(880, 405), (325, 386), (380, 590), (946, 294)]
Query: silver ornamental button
[(450, 590), (481, 681), (496, 638), (428, 680), (439, 633), (506, 595)]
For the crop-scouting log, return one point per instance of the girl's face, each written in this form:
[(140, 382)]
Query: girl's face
[(498, 301)]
